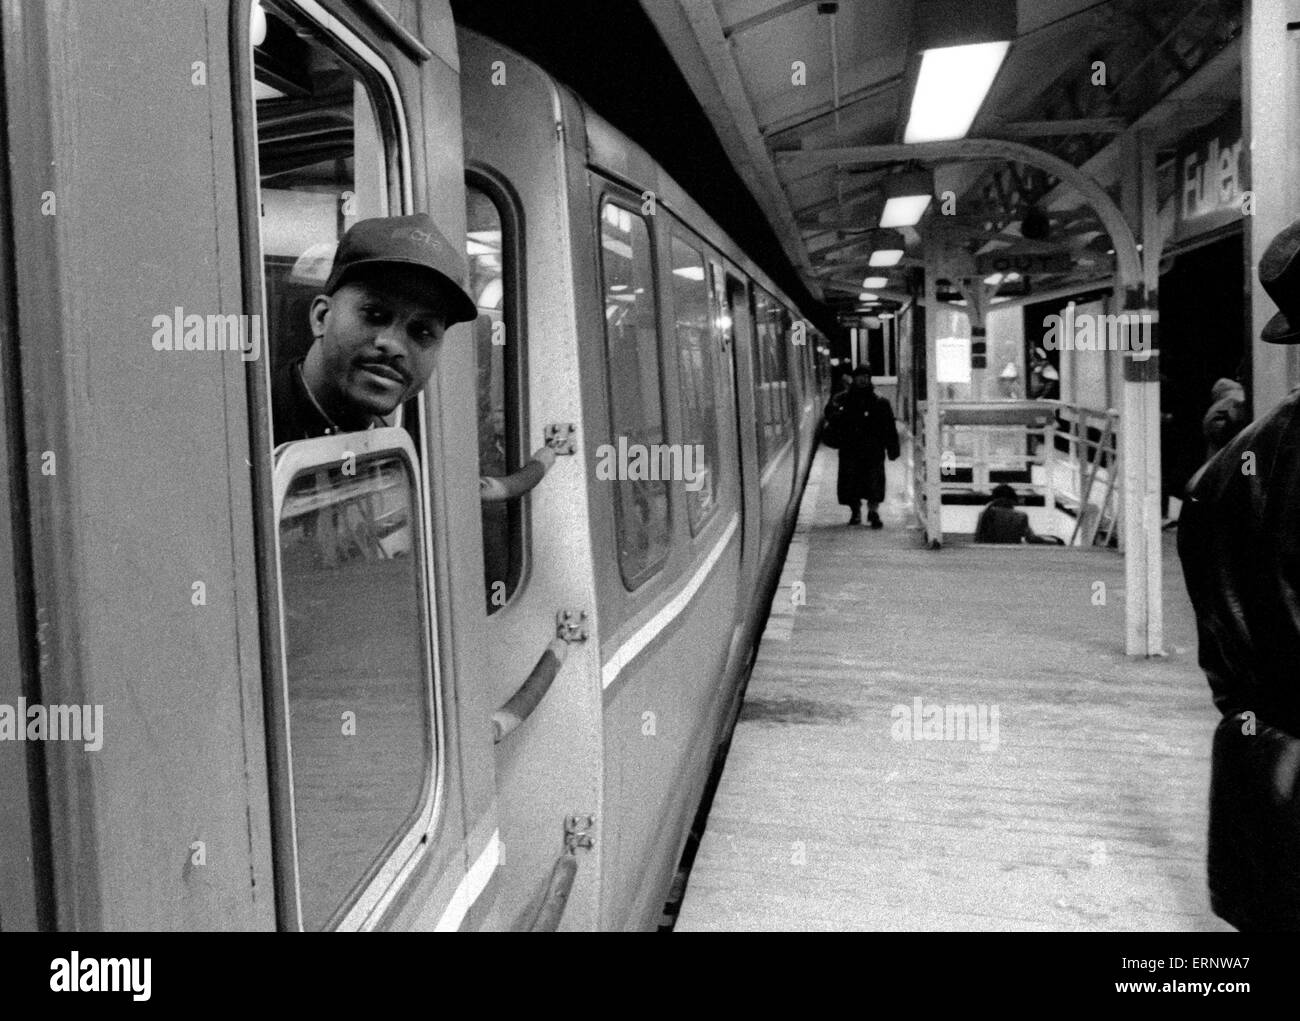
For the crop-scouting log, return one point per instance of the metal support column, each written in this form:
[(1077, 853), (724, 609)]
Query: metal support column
[(933, 446), (1140, 421)]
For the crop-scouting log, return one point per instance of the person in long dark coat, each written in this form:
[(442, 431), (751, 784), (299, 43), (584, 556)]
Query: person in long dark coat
[(864, 424), (1239, 542)]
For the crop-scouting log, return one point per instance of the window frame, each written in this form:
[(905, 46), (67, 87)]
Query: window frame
[(612, 195), (292, 461), (513, 284), (351, 48)]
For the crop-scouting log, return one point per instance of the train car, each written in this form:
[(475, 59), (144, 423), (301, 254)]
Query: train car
[(398, 679)]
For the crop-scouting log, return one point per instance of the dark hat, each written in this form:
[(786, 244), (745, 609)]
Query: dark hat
[(413, 240), (862, 370), (1279, 272)]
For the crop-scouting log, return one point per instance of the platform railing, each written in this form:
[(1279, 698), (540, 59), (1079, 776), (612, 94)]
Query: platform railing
[(1094, 493), (1067, 452)]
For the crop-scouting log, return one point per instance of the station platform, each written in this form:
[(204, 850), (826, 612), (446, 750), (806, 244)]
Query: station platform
[(1081, 804)]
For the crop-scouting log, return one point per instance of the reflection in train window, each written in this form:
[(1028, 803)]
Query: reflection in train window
[(323, 163), (490, 247), (766, 374), (636, 414), (358, 703), (695, 361), (773, 329)]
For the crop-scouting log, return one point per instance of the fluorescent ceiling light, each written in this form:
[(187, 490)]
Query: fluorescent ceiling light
[(879, 283), (950, 89), (867, 296), (886, 257), (994, 280), (885, 315), (690, 272), (904, 210)]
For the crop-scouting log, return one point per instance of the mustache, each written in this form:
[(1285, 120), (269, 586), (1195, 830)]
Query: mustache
[(391, 364)]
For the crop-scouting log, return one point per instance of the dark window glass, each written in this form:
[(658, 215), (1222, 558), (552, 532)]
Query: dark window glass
[(491, 284), (696, 363), (636, 415)]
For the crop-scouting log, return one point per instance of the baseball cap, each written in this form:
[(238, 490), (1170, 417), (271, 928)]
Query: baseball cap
[(411, 240)]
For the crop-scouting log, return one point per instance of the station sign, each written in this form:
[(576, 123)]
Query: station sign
[(1026, 262), (1210, 175)]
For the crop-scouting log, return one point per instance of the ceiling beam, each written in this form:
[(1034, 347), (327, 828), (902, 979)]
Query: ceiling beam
[(1046, 129), (694, 36), (983, 150), (779, 11)]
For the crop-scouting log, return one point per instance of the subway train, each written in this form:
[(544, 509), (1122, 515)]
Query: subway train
[(421, 677)]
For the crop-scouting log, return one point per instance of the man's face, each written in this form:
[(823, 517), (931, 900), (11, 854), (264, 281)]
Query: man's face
[(861, 382), (377, 341)]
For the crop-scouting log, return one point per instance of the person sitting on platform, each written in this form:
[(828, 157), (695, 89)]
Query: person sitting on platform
[(1001, 521)]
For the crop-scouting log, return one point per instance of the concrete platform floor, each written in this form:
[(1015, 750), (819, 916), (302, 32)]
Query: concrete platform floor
[(1085, 810)]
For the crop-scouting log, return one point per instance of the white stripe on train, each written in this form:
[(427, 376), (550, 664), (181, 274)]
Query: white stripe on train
[(628, 650), (471, 886)]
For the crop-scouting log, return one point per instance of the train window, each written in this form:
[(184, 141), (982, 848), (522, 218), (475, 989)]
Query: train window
[(490, 246), (356, 659), (771, 351), (355, 741), (757, 329), (324, 165), (641, 509), (697, 369)]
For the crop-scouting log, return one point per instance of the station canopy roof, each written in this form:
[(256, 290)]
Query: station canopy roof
[(782, 79)]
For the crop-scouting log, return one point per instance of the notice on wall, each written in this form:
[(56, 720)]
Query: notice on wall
[(953, 361)]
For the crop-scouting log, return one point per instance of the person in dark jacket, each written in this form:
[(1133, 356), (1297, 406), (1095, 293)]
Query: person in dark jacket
[(1001, 521), (393, 290), (864, 424), (1239, 542)]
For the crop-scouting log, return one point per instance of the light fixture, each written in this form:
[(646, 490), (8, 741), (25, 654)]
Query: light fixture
[(885, 257), (885, 315), (994, 280), (950, 89), (879, 283), (962, 47), (257, 25), (868, 296), (907, 196)]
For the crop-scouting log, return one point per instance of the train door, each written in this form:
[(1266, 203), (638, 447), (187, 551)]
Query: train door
[(539, 607), (358, 541)]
